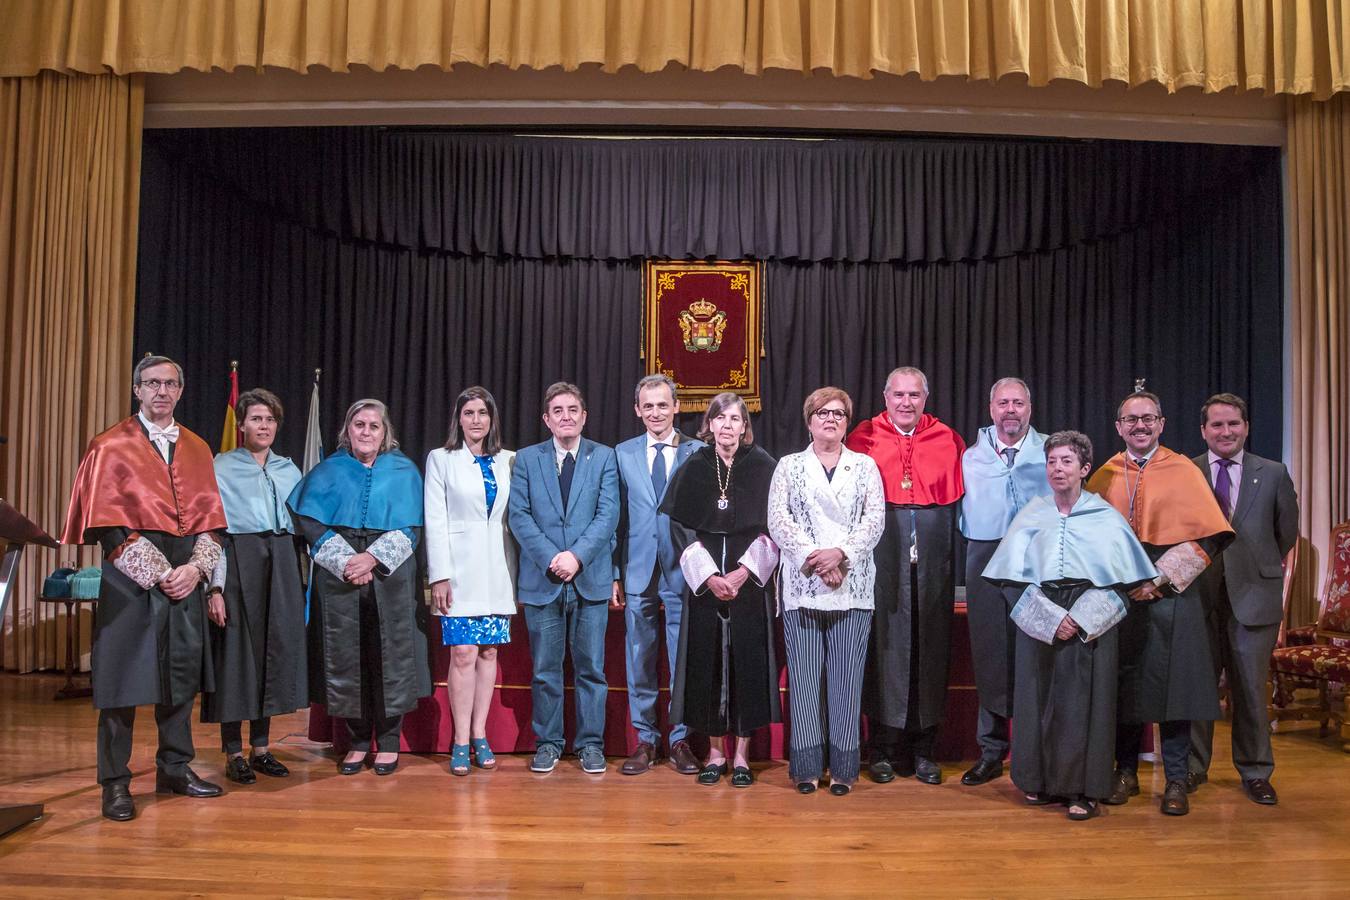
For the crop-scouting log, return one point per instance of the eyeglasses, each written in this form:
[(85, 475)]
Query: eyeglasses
[(1150, 421), (836, 414), (154, 384)]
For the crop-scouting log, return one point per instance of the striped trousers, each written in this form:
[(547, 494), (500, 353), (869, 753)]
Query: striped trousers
[(826, 656)]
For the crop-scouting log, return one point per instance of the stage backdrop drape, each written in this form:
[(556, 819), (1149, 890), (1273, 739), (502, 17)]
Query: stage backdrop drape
[(1319, 252), (1278, 46), (348, 279), (69, 189)]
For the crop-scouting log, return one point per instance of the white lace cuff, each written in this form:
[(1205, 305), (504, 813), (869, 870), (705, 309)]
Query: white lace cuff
[(391, 549), (760, 559), (1182, 565), (334, 554), (205, 554), (1096, 612), (1036, 615), (142, 562), (697, 565)]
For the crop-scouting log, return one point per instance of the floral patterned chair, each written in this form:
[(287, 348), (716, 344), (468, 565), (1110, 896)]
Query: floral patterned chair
[(1327, 659)]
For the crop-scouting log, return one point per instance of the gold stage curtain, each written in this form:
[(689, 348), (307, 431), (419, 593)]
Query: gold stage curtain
[(1277, 46), (70, 159), (1319, 260)]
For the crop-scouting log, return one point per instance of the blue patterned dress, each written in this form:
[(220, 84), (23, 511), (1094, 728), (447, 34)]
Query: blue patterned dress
[(481, 630)]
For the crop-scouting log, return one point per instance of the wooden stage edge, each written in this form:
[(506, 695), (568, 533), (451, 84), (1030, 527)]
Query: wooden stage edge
[(423, 833)]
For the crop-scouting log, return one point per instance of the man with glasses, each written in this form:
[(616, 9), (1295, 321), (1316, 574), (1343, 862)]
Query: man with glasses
[(146, 493), (1166, 671)]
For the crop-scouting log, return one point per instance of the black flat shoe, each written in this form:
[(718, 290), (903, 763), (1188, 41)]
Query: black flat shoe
[(881, 771), (351, 768), (983, 772), (237, 770), (927, 771), (1082, 810), (839, 789), (806, 787), (1038, 798), (117, 803), (268, 764), (741, 776), (1174, 801), (1260, 791), (385, 768), (185, 785), (711, 774)]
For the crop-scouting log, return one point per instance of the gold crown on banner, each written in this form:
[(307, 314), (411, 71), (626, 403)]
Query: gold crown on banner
[(703, 307)]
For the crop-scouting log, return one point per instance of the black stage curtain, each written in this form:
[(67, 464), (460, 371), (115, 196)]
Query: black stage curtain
[(409, 265)]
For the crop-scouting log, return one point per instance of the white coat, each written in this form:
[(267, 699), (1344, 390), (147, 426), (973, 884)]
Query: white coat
[(473, 550)]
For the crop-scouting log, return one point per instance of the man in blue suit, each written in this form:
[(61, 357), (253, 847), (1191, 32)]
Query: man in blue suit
[(564, 510), (647, 572)]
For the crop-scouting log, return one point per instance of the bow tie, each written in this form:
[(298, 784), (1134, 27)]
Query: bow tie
[(170, 433)]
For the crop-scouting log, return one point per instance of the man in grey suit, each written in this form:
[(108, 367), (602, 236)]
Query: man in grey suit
[(564, 510), (647, 572), (1243, 593)]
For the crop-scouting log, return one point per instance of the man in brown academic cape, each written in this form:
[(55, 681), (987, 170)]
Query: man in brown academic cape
[(146, 493), (906, 686), (1166, 672)]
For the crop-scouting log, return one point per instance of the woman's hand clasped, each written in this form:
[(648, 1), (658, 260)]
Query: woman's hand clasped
[(360, 569), (1067, 629)]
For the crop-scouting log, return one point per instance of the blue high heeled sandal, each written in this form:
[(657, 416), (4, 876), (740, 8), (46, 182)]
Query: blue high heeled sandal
[(459, 759), (482, 754)]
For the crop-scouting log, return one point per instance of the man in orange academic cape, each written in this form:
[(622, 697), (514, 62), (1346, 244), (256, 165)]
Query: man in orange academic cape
[(146, 493), (906, 686), (1166, 671)]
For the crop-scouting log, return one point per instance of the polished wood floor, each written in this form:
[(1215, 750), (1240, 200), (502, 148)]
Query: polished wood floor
[(423, 833)]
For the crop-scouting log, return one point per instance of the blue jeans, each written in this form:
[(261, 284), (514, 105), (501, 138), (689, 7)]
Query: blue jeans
[(643, 617), (565, 621)]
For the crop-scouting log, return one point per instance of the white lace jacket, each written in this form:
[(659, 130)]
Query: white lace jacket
[(809, 512)]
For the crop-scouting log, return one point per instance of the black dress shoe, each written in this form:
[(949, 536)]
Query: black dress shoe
[(351, 768), (806, 787), (881, 771), (984, 771), (268, 764), (711, 774), (927, 771), (1260, 791), (1174, 801), (117, 804), (237, 770), (186, 785), (839, 789), (741, 776), (1124, 785), (385, 768), (1194, 780)]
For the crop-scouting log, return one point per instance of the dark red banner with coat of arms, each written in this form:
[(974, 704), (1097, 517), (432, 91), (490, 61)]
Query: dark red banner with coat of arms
[(704, 329)]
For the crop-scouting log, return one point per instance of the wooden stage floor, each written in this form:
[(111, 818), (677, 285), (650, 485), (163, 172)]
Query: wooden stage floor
[(423, 833)]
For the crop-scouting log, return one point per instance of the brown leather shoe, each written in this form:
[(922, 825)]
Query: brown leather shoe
[(641, 760), (1174, 801), (1260, 791), (682, 758), (1124, 786)]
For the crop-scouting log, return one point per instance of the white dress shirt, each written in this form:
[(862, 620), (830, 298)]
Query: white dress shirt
[(669, 441), (160, 437), (1234, 476)]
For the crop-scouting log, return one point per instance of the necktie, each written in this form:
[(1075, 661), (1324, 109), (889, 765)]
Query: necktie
[(1140, 462), (1223, 488), (1009, 454), (569, 466), (659, 470)]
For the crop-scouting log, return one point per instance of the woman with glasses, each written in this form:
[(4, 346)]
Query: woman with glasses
[(826, 514), (360, 511), (726, 676)]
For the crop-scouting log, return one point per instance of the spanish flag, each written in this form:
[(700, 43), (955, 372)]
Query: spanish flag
[(229, 434)]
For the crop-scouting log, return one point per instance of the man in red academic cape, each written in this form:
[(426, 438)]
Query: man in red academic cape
[(1166, 666), (146, 493), (906, 691)]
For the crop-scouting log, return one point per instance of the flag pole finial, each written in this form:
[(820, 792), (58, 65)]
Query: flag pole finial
[(1139, 384), (317, 373), (234, 365)]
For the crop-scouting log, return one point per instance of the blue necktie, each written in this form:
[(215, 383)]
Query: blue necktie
[(659, 471), (569, 466)]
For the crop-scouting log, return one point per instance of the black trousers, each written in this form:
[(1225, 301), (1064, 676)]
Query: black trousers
[(114, 741), (1176, 747), (232, 734), (373, 725)]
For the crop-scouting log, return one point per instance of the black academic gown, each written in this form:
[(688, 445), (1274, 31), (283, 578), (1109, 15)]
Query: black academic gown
[(259, 656), (901, 641), (1065, 697), (336, 636), (726, 670), (1166, 662)]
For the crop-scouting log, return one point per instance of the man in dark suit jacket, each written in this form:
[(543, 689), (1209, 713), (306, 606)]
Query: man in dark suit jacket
[(563, 510), (1243, 594)]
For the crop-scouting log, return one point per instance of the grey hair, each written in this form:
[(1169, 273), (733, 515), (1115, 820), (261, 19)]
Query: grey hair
[(1004, 382), (909, 370), (149, 362), (647, 381), (389, 443)]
